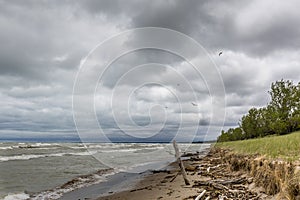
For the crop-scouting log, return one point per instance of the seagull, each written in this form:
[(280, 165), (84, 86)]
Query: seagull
[(194, 104), (178, 84), (220, 53), (166, 107)]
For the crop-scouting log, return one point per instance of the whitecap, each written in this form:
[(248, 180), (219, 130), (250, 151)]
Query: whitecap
[(19, 196), (33, 156), (6, 148), (76, 183)]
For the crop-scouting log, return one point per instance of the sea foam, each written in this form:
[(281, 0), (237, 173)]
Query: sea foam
[(19, 196)]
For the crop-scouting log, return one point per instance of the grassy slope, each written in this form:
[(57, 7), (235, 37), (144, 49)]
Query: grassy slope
[(286, 146)]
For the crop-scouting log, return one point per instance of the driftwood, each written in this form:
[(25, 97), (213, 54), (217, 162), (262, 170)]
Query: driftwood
[(161, 171), (188, 154), (219, 181), (220, 184), (236, 191), (175, 177), (217, 186), (200, 195), (208, 170), (177, 156), (213, 167), (142, 188), (232, 181)]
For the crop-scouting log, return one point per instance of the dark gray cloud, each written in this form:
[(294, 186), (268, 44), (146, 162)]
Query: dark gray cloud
[(44, 42), (255, 27)]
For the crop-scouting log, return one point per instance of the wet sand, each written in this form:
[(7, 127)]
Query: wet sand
[(117, 182)]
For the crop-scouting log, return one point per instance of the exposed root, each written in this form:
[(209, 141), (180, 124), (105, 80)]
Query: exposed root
[(274, 176)]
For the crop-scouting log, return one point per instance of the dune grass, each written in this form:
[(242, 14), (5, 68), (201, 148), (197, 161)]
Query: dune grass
[(286, 147)]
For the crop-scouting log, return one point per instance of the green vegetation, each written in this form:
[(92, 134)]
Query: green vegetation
[(284, 146), (280, 116)]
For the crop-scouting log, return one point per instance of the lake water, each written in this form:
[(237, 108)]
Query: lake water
[(41, 170)]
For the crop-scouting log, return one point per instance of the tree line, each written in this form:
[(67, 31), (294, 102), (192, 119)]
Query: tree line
[(280, 116)]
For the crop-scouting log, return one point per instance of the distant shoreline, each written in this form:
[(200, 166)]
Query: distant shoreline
[(28, 140)]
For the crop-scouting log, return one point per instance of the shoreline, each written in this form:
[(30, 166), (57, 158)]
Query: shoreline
[(222, 174), (115, 183), (200, 171)]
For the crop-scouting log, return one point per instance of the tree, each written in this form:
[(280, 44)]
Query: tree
[(280, 116), (250, 123), (284, 102), (231, 135)]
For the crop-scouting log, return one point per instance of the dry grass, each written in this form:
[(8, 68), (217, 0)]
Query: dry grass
[(286, 147)]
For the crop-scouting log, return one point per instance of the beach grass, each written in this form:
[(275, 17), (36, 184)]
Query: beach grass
[(286, 147)]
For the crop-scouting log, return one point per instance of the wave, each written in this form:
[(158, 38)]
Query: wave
[(76, 183), (120, 145), (18, 196), (106, 146), (33, 156), (31, 146), (87, 180), (77, 147), (6, 148), (118, 150), (36, 145), (140, 150)]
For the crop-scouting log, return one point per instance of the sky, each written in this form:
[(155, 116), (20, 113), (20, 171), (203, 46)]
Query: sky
[(51, 51)]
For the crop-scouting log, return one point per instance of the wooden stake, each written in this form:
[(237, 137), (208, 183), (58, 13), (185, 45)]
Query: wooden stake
[(177, 156)]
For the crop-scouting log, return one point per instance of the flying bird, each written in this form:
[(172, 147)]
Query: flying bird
[(220, 53), (194, 104)]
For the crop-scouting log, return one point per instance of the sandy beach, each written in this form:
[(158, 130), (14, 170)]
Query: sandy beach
[(219, 177)]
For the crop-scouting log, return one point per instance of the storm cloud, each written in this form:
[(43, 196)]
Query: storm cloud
[(43, 44)]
